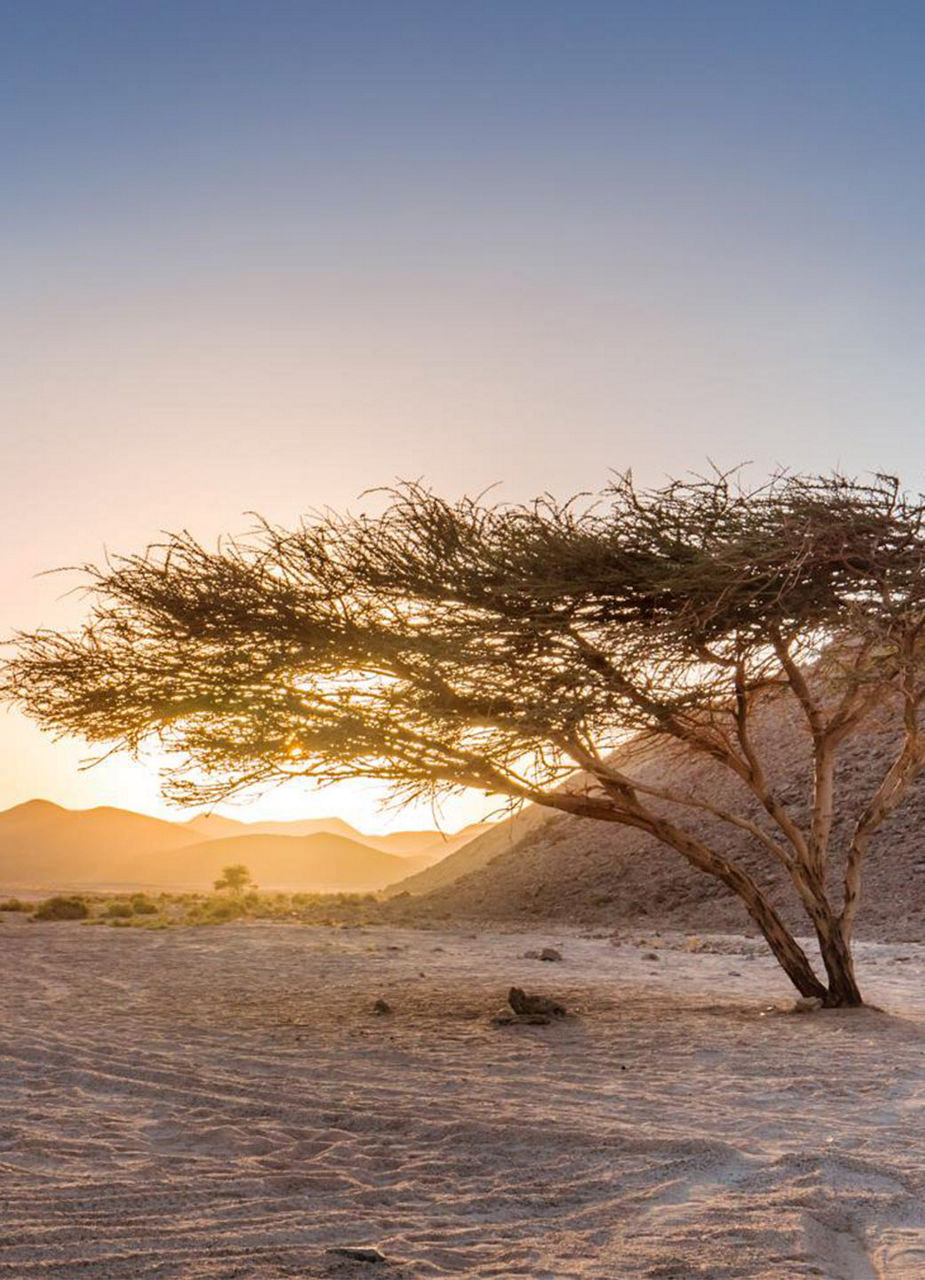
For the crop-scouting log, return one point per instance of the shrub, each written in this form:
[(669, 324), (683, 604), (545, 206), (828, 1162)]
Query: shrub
[(14, 904), (218, 911), (62, 908), (118, 911), (143, 906)]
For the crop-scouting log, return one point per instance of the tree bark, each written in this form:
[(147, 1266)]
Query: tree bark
[(628, 811), (843, 990), (787, 951)]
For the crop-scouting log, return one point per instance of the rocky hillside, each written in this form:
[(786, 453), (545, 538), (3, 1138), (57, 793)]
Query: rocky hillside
[(543, 865), (473, 854)]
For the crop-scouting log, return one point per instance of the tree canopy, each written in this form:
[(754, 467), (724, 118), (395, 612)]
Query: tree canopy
[(511, 648), (236, 878)]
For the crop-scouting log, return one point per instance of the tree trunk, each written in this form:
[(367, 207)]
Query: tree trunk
[(787, 951), (843, 990)]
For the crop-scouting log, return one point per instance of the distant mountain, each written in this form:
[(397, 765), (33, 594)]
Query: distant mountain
[(433, 843), (217, 827), (320, 863), (43, 845)]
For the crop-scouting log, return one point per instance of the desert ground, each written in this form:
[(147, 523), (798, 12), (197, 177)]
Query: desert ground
[(223, 1102)]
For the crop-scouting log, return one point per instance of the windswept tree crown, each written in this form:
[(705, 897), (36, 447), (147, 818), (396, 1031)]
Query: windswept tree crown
[(454, 644)]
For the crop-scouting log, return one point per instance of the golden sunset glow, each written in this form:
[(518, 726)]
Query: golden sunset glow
[(462, 639), (187, 343)]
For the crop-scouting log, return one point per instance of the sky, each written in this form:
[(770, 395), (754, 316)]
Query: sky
[(265, 256)]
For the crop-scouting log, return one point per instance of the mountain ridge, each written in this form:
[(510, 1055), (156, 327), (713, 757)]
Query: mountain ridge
[(317, 863), (44, 845)]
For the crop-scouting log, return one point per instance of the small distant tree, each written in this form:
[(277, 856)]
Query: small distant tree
[(513, 649), (236, 878)]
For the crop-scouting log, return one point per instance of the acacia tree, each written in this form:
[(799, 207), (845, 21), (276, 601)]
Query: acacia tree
[(235, 878), (442, 646)]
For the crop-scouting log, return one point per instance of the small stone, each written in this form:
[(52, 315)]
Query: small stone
[(533, 1006), (807, 1004), (382, 1007), (550, 953), (504, 1018), (650, 955), (358, 1255)]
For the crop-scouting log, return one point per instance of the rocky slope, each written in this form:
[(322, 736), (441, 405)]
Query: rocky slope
[(547, 865)]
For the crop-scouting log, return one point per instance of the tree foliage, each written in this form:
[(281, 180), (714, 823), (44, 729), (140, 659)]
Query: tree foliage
[(235, 878), (448, 645)]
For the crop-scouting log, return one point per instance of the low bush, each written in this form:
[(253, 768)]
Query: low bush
[(62, 908), (14, 904), (217, 911), (143, 906), (118, 911)]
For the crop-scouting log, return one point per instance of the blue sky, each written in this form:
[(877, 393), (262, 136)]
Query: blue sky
[(268, 255)]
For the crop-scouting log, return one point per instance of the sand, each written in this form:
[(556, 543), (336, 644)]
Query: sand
[(223, 1103)]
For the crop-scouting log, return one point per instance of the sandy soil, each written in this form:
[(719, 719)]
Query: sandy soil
[(223, 1103)]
